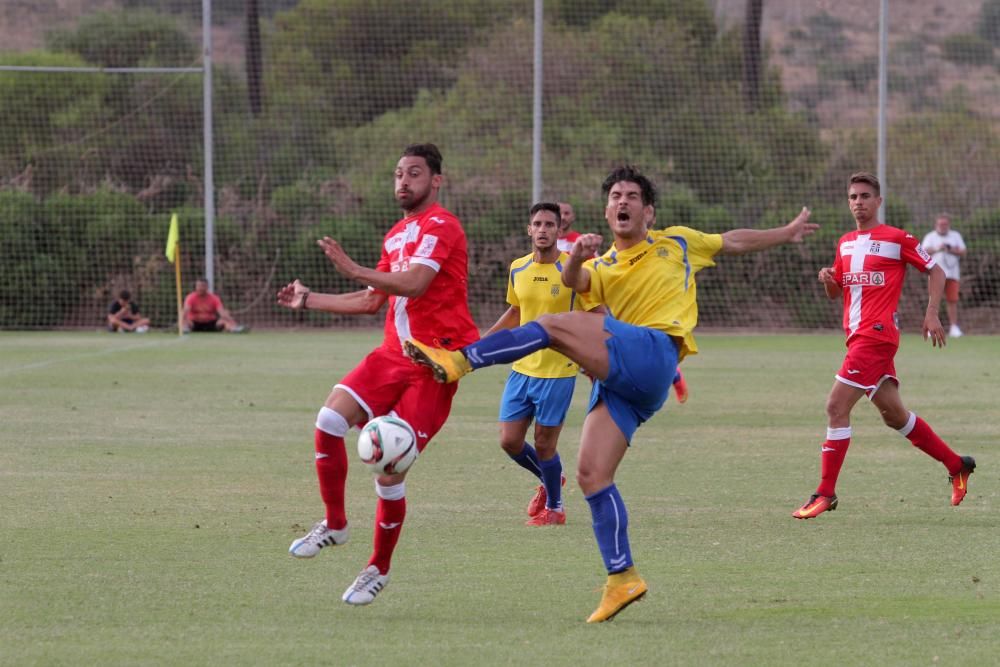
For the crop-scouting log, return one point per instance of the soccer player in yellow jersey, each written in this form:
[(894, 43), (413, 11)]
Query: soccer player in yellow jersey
[(645, 282), (540, 385)]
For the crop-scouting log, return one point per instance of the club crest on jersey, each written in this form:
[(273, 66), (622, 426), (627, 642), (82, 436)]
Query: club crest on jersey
[(864, 279), (426, 248), (662, 252), (555, 290)]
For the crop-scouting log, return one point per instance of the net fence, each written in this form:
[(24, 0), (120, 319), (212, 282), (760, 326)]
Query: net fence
[(310, 120)]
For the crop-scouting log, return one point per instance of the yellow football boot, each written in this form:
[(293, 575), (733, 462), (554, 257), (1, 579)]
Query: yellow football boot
[(447, 365), (622, 589)]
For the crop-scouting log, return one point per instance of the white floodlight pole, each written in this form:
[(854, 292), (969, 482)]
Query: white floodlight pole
[(883, 96), (206, 63), (536, 133)]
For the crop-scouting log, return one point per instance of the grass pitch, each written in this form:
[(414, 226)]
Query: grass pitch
[(150, 486)]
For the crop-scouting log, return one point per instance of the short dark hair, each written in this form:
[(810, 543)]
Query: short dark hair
[(125, 294), (867, 178), (631, 174), (546, 206), (429, 152)]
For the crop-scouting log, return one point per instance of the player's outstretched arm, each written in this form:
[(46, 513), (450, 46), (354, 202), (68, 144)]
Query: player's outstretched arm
[(573, 275), (297, 296), (413, 281), (741, 241), (932, 327)]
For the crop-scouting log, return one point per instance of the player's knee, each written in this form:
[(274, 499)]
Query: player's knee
[(512, 447), (546, 448), (589, 479), (556, 325), (836, 411), (894, 418), (332, 422)]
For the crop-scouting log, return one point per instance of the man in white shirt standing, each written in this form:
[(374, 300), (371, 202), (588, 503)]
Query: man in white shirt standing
[(947, 247)]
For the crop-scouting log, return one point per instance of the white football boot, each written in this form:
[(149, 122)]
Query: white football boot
[(364, 589), (320, 536)]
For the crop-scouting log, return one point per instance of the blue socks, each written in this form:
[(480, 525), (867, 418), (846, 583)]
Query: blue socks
[(552, 479), (507, 345), (528, 459), (611, 528)]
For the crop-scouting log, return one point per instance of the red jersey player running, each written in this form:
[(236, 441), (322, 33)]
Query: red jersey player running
[(423, 274), (869, 270)]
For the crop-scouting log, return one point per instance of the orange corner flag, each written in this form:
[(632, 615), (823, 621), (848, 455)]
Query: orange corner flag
[(173, 238)]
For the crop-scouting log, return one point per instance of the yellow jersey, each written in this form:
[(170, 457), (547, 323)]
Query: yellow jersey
[(536, 289), (652, 283)]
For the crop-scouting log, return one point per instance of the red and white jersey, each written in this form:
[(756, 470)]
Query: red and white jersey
[(871, 267), (433, 238), (565, 244)]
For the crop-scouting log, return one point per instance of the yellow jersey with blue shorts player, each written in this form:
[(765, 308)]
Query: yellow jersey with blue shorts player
[(541, 384), (650, 294)]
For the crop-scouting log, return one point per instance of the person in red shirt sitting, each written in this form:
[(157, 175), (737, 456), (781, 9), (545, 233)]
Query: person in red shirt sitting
[(203, 311)]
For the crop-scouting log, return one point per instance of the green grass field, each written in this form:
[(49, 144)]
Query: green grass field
[(150, 487)]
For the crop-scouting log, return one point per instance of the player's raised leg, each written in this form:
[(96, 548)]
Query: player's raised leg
[(335, 418), (890, 404), (578, 335), (602, 447)]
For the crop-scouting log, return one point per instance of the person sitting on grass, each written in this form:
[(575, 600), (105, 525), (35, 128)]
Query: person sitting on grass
[(123, 315), (203, 311)]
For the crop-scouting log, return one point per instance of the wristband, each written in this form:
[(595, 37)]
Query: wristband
[(305, 298)]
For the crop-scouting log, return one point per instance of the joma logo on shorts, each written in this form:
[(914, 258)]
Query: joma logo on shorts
[(867, 278)]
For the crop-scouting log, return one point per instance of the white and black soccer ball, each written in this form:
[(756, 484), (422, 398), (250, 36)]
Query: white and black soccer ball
[(387, 445)]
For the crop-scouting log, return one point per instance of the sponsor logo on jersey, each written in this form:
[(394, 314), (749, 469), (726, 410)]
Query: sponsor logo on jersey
[(637, 257), (923, 253), (864, 278), (540, 279), (427, 244), (878, 326), (438, 220)]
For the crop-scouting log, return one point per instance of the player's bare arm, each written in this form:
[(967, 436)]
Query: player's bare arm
[(510, 319), (573, 275), (297, 296), (829, 281), (932, 327), (411, 282), (741, 241)]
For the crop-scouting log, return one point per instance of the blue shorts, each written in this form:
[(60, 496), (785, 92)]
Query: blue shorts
[(545, 399), (642, 363)]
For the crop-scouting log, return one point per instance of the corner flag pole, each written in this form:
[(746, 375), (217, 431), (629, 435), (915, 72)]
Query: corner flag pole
[(173, 253), (177, 274)]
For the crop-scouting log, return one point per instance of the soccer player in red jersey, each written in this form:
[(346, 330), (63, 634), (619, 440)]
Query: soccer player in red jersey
[(423, 274), (567, 235), (868, 272)]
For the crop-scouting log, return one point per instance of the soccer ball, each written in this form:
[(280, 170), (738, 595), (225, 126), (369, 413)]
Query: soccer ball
[(387, 445)]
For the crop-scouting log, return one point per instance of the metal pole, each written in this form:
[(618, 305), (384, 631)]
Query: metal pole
[(883, 96), (536, 133), (206, 30)]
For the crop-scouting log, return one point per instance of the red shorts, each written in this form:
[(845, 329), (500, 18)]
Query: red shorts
[(869, 363), (951, 291), (387, 382)]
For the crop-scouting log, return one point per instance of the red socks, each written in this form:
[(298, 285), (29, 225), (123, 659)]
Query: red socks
[(331, 469), (390, 513), (832, 459), (923, 437)]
